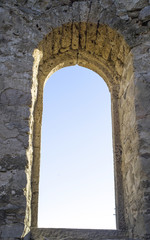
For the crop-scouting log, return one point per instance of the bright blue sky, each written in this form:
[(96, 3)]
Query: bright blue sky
[(76, 179)]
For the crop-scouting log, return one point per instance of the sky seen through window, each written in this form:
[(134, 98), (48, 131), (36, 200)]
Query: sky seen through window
[(76, 173)]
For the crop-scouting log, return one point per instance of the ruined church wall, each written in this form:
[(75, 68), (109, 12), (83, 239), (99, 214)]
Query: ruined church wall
[(24, 24)]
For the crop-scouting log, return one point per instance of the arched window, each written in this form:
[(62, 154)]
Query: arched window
[(110, 63), (76, 173)]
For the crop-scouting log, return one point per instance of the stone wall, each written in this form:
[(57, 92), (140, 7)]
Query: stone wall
[(39, 37)]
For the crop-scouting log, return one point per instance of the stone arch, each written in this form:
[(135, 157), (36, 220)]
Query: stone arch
[(103, 50), (23, 25)]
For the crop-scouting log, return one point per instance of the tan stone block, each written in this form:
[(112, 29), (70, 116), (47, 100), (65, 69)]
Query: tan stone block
[(66, 36), (75, 36), (119, 67), (82, 34), (57, 35)]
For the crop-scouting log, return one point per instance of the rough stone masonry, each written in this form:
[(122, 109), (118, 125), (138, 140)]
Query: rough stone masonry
[(38, 37)]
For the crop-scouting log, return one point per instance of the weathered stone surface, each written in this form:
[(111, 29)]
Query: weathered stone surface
[(40, 37), (13, 96), (13, 232), (131, 4), (51, 234), (145, 14)]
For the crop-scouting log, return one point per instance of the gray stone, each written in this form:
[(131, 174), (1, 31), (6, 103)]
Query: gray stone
[(39, 37), (131, 5), (145, 14), (50, 234), (134, 14), (13, 232), (13, 96)]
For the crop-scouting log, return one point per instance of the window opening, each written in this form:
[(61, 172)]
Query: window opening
[(76, 173)]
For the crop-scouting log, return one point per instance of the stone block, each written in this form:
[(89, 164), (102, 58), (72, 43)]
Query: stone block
[(144, 15)]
